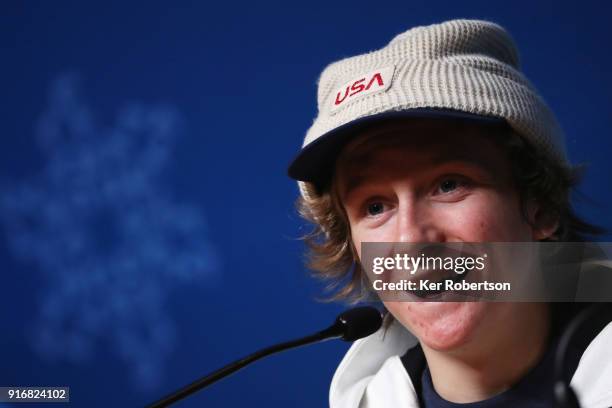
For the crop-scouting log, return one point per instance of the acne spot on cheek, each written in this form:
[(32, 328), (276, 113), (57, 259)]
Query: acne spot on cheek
[(418, 323)]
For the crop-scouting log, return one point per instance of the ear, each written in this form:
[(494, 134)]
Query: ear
[(544, 225)]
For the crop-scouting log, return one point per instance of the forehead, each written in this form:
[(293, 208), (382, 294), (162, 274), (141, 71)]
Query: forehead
[(420, 146)]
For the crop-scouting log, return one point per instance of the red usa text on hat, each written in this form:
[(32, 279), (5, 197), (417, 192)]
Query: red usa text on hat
[(367, 84)]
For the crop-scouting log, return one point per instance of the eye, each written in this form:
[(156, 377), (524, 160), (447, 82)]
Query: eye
[(375, 208), (450, 184)]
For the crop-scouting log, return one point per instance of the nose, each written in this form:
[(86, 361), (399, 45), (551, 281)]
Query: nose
[(416, 222)]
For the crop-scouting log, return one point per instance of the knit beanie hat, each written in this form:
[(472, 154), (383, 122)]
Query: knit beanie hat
[(461, 69)]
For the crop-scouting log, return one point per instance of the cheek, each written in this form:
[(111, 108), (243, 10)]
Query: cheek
[(361, 234), (492, 216), (358, 237)]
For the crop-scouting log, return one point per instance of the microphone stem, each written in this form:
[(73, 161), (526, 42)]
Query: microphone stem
[(331, 332)]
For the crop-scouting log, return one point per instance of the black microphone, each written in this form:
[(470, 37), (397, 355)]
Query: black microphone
[(350, 325)]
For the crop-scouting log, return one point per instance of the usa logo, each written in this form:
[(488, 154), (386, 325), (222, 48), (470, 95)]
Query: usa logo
[(367, 84)]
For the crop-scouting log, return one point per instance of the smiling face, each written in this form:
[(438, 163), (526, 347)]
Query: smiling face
[(434, 182)]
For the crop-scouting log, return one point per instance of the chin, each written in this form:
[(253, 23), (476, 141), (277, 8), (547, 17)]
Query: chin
[(442, 326)]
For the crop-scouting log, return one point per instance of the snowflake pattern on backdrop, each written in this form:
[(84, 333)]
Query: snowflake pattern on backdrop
[(107, 238)]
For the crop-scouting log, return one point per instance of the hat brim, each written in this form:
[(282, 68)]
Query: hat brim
[(315, 162)]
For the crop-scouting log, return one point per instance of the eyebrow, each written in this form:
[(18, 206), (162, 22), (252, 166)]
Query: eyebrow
[(353, 183)]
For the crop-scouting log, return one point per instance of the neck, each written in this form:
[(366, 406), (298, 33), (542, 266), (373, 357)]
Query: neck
[(501, 356)]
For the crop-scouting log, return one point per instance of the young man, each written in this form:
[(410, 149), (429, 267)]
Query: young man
[(436, 138)]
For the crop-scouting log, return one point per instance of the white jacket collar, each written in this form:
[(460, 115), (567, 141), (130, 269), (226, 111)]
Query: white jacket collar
[(355, 376)]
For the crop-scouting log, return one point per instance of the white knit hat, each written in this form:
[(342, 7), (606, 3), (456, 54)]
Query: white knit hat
[(466, 69)]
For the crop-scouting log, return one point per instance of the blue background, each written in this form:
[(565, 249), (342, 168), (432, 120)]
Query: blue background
[(148, 233)]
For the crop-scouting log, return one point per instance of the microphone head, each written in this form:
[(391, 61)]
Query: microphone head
[(358, 322)]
